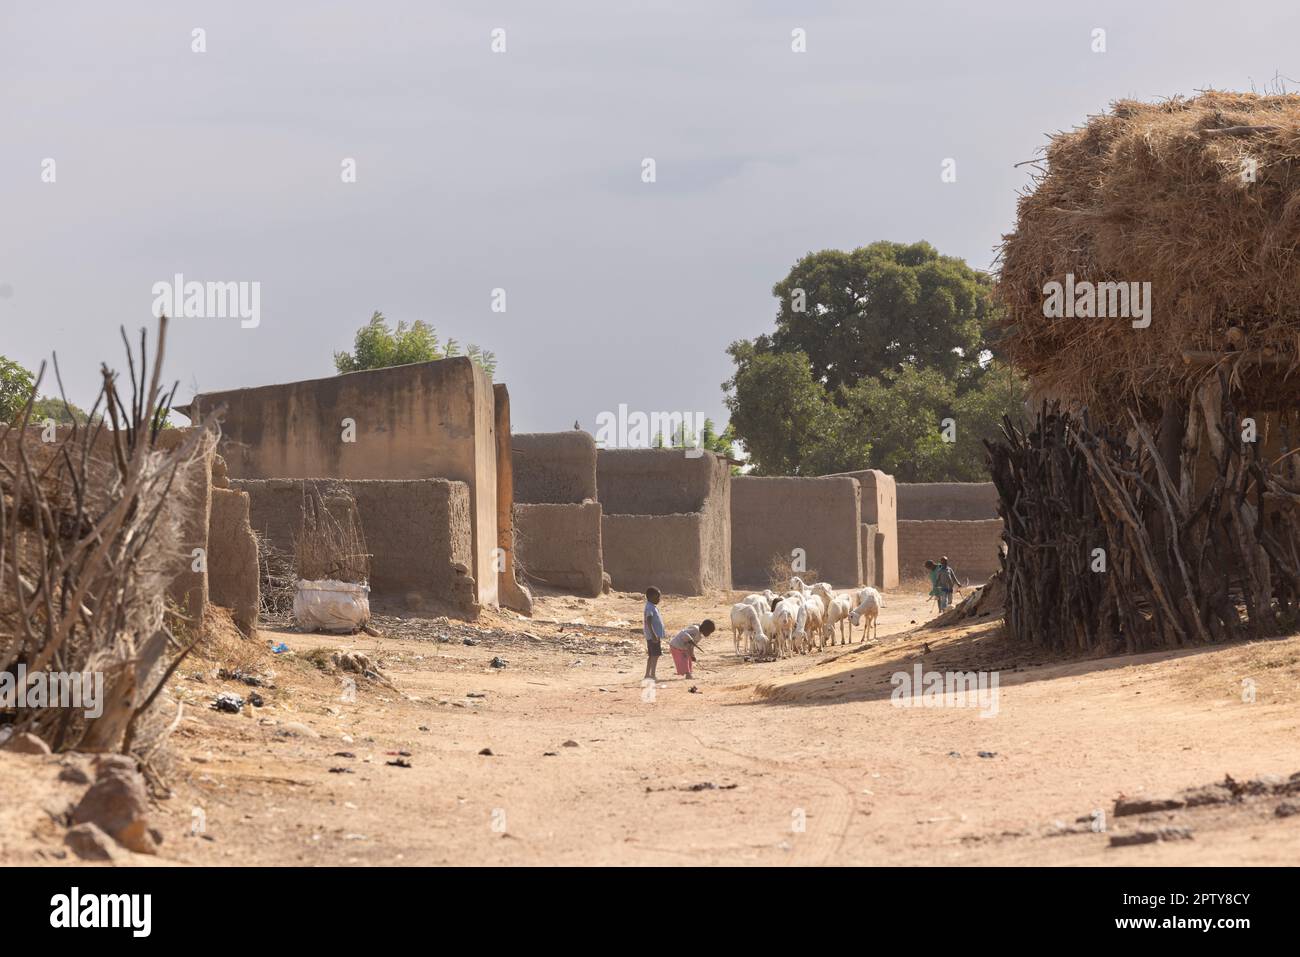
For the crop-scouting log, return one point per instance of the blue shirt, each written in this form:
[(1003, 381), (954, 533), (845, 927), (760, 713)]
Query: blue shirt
[(654, 625)]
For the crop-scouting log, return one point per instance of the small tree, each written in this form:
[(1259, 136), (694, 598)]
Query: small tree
[(379, 346), (15, 389), (62, 413)]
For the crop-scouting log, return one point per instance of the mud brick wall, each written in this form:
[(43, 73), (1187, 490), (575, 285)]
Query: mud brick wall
[(972, 547), (870, 561), (191, 491), (510, 591), (419, 421), (417, 532), (193, 484), (554, 467), (666, 551), (233, 573), (880, 508), (773, 516), (656, 481), (963, 501), (560, 546), (666, 519)]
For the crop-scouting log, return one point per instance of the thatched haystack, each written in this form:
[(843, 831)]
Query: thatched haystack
[(1201, 198)]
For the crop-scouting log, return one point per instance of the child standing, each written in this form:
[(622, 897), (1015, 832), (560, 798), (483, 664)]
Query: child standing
[(947, 580), (685, 642), (654, 633)]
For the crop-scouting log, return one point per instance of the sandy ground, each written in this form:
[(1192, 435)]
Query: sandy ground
[(803, 761)]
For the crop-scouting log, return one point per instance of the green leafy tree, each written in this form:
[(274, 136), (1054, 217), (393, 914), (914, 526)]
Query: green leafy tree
[(879, 307), (61, 413), (722, 443), (784, 418), (378, 345), (904, 410), (873, 350), (16, 385)]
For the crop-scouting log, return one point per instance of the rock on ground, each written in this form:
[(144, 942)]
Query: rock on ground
[(118, 804)]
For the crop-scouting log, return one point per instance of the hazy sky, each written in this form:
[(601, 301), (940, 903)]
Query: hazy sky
[(522, 170)]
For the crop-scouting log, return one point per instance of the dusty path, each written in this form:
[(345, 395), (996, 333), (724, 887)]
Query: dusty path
[(795, 762)]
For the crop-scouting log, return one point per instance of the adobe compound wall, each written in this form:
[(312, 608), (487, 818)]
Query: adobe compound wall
[(666, 519), (771, 517), (233, 572), (418, 532), (511, 593), (879, 498), (421, 421), (559, 545), (872, 544), (554, 467), (211, 525), (962, 501), (666, 551), (972, 547), (558, 520)]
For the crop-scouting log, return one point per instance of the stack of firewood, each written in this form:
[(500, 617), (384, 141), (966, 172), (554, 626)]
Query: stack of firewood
[(1125, 540)]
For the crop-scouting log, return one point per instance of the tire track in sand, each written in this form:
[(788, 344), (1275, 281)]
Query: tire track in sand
[(820, 843)]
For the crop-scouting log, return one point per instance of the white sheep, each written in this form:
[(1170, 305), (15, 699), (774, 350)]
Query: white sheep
[(808, 622), (869, 605), (840, 610), (763, 604), (825, 592), (816, 620), (787, 620), (746, 626)]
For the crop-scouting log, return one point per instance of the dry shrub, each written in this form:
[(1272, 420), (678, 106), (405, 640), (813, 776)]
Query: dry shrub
[(278, 581), (330, 544), (222, 643), (1156, 192), (779, 573), (90, 539)]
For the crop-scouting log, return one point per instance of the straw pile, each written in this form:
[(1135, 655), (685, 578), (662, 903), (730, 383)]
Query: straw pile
[(1201, 198)]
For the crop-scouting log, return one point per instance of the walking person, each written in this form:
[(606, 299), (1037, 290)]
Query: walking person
[(947, 581), (936, 592)]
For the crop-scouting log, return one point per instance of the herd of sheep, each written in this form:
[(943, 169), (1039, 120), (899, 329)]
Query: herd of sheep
[(767, 625)]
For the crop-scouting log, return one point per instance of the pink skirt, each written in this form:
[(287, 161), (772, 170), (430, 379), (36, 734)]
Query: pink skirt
[(682, 659)]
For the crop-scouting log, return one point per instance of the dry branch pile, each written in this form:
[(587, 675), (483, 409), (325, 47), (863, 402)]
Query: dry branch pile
[(90, 528), (1193, 554), (781, 568), (277, 581), (1201, 198), (330, 544)]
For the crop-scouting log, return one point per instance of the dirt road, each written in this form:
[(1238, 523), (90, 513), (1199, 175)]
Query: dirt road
[(795, 762)]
